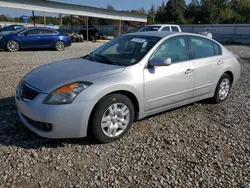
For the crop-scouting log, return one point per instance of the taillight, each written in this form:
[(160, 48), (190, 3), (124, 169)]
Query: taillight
[(69, 37)]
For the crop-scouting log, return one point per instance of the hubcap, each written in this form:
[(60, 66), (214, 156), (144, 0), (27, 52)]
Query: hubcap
[(59, 45), (115, 120), (224, 88), (13, 46)]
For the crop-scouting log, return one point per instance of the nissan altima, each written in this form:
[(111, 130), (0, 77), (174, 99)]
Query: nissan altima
[(126, 79)]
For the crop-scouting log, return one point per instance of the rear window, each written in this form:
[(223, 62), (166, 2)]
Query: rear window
[(167, 28), (47, 32), (174, 28), (149, 28), (217, 49)]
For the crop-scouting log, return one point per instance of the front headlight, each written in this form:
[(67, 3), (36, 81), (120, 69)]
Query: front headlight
[(66, 94)]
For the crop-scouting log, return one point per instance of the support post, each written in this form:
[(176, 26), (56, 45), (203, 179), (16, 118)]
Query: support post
[(44, 19), (71, 23), (34, 19), (120, 27), (87, 27), (60, 16)]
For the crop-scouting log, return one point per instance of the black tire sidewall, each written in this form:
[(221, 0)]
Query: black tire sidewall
[(7, 48), (63, 46), (216, 95), (99, 110)]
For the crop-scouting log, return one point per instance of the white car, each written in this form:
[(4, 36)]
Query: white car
[(161, 27)]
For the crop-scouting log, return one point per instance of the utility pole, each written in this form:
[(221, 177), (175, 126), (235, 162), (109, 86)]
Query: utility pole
[(34, 19), (44, 19)]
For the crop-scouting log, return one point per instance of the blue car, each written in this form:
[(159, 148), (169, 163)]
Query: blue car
[(34, 38)]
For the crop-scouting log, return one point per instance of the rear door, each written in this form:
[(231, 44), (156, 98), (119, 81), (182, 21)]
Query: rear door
[(208, 63), (47, 37)]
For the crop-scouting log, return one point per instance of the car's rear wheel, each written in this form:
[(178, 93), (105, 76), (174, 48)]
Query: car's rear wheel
[(112, 118), (12, 46), (60, 46), (223, 88)]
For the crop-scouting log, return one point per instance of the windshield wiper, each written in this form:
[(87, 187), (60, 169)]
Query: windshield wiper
[(104, 58)]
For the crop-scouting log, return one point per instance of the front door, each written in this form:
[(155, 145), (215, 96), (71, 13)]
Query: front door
[(30, 38), (168, 85)]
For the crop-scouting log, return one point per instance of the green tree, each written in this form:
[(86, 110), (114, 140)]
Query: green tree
[(151, 14), (175, 11)]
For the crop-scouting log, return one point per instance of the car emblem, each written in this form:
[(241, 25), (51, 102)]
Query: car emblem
[(20, 91)]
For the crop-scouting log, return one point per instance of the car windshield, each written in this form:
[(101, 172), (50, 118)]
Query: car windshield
[(124, 51), (149, 28)]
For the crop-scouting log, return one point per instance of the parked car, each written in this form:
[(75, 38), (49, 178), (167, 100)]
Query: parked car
[(161, 27), (93, 33), (11, 28), (35, 38), (129, 78)]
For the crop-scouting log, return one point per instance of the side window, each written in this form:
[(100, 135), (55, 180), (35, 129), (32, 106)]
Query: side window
[(202, 47), (175, 48), (32, 32), (167, 28), (217, 49), (174, 28), (47, 32)]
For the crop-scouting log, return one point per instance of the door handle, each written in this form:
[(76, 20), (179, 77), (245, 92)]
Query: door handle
[(189, 71), (38, 37), (220, 62)]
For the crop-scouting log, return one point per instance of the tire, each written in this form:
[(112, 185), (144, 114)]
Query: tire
[(12, 46), (107, 126), (60, 46), (223, 88)]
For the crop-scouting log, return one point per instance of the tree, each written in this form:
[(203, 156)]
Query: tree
[(192, 13), (110, 7), (151, 14), (175, 11)]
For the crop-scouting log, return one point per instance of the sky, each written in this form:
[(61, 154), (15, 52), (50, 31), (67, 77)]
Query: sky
[(117, 4)]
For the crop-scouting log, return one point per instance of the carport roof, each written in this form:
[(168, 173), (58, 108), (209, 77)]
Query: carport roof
[(72, 9)]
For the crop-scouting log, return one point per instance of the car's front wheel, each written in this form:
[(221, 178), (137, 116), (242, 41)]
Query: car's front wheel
[(60, 46), (112, 118), (223, 88), (12, 46)]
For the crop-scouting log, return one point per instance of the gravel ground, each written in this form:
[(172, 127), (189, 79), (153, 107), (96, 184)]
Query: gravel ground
[(200, 145)]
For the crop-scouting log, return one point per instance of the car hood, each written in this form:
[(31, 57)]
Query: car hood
[(51, 76)]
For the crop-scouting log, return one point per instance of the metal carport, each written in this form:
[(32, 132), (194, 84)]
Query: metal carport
[(71, 9)]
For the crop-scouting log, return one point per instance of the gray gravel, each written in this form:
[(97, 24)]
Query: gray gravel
[(200, 145)]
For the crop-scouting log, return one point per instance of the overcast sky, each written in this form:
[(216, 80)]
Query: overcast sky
[(117, 4)]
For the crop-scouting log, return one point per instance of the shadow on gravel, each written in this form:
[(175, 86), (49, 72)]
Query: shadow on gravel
[(13, 133)]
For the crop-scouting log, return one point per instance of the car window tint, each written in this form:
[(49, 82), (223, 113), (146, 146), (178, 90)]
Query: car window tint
[(217, 49), (166, 28), (33, 32), (175, 48), (47, 32), (174, 28), (202, 47)]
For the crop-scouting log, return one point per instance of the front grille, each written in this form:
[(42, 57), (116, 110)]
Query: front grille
[(39, 125), (26, 92)]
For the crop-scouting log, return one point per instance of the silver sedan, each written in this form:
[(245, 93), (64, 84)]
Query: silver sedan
[(126, 79)]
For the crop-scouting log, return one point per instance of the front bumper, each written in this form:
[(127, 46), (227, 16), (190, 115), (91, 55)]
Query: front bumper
[(68, 121)]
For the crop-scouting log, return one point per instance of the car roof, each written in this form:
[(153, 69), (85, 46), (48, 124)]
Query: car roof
[(39, 28), (162, 25), (161, 34)]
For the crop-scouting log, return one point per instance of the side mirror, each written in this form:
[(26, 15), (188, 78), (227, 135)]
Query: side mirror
[(156, 62), (25, 34)]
